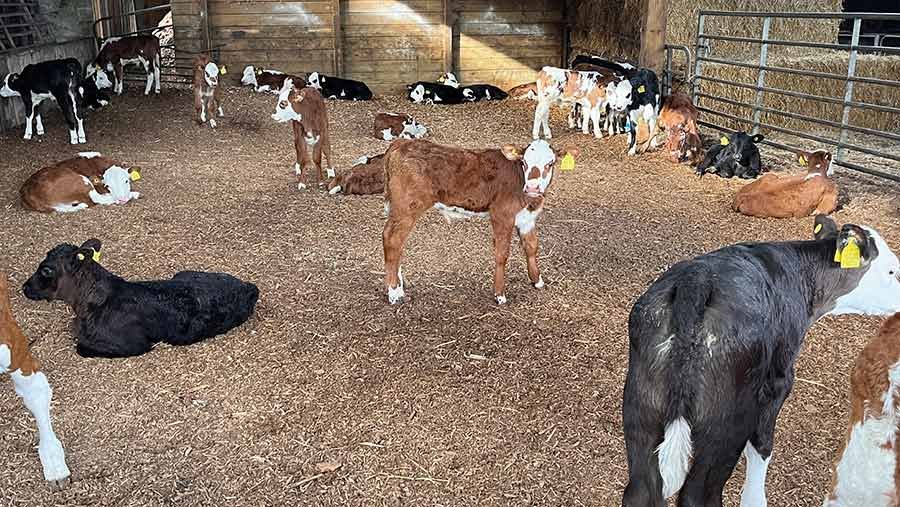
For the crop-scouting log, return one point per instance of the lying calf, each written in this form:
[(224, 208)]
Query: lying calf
[(78, 183), (364, 178), (268, 80), (799, 195), (477, 92), (339, 88), (735, 155), (118, 318), (31, 384), (678, 117), (423, 92), (390, 126), (527, 91)]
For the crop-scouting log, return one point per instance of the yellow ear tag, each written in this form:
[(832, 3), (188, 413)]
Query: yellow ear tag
[(641, 89), (817, 229), (223, 70), (723, 141), (135, 175), (850, 255), (568, 163), (96, 256), (259, 72), (80, 256), (802, 160)]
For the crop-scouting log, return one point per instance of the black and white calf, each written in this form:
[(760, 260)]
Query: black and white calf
[(423, 92), (713, 343), (339, 88), (56, 80), (644, 107), (117, 52), (735, 155), (474, 93)]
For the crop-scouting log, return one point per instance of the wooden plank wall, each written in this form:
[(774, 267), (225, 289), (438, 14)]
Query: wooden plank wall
[(12, 112), (385, 43), (505, 42)]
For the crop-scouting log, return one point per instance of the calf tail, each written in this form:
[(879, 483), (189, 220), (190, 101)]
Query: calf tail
[(688, 309)]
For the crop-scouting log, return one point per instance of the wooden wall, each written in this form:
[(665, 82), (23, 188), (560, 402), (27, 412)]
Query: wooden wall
[(386, 43)]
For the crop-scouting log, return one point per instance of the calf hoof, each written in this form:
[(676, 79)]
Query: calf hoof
[(632, 151), (27, 137), (330, 172), (539, 284), (40, 132), (335, 190), (501, 299), (212, 123), (82, 140), (301, 186), (58, 484), (395, 295)]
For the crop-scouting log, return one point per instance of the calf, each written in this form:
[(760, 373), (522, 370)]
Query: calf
[(644, 107), (305, 109), (78, 183), (364, 178), (339, 88), (866, 472), (118, 318), (615, 119), (55, 80), (117, 52), (207, 96), (799, 195), (678, 116), (91, 95), (589, 89), (449, 79), (713, 343), (268, 80), (507, 185), (423, 92), (477, 92), (390, 126), (735, 155), (523, 91), (31, 384)]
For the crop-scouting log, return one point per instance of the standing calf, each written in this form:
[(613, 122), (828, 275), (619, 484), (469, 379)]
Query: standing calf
[(364, 178), (800, 195), (713, 343), (207, 96), (305, 109), (507, 185), (117, 52), (866, 473), (31, 384)]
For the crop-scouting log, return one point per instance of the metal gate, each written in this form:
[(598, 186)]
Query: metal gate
[(171, 71), (872, 150)]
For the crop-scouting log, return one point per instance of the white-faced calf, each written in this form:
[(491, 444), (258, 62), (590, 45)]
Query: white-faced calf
[(390, 126), (117, 52), (678, 117), (78, 183), (31, 384), (207, 95), (364, 178), (507, 185), (305, 109), (266, 80), (714, 341)]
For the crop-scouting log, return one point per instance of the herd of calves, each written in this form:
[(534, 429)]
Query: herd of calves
[(712, 342)]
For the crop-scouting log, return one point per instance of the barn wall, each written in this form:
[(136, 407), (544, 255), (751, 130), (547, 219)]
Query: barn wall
[(387, 43)]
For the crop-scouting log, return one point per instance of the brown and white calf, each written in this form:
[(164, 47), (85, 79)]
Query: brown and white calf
[(366, 177), (305, 109), (390, 126), (507, 185), (678, 116), (267, 80), (868, 464), (117, 52), (207, 95), (78, 183), (587, 89), (800, 195), (32, 386)]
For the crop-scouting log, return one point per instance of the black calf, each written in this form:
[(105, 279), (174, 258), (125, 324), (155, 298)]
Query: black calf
[(474, 93), (56, 80), (434, 93), (736, 155), (338, 88), (118, 318), (713, 344)]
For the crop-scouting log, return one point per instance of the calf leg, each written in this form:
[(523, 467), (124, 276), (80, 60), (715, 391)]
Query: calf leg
[(38, 124), (595, 117), (148, 68), (66, 102), (30, 107), (539, 110), (396, 231), (156, 70), (643, 428), (300, 149), (706, 480), (120, 77), (632, 133), (317, 161), (209, 110), (502, 237), (82, 138), (530, 245)]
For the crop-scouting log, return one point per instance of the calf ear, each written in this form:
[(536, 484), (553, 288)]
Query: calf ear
[(855, 247), (824, 227), (757, 138), (91, 244), (511, 152), (568, 150)]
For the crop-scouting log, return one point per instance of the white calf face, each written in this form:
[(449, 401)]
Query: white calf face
[(313, 81), (878, 292), (283, 110), (417, 94), (101, 79), (539, 158), (6, 90), (211, 74), (118, 181), (618, 95), (249, 77), (413, 130), (449, 79)]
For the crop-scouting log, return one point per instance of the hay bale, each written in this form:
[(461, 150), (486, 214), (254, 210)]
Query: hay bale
[(610, 28), (834, 62)]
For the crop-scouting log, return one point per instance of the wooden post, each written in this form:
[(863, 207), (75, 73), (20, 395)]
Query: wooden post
[(204, 25), (653, 35), (447, 46), (338, 38)]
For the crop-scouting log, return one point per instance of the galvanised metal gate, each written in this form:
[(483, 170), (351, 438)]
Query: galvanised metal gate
[(883, 159)]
